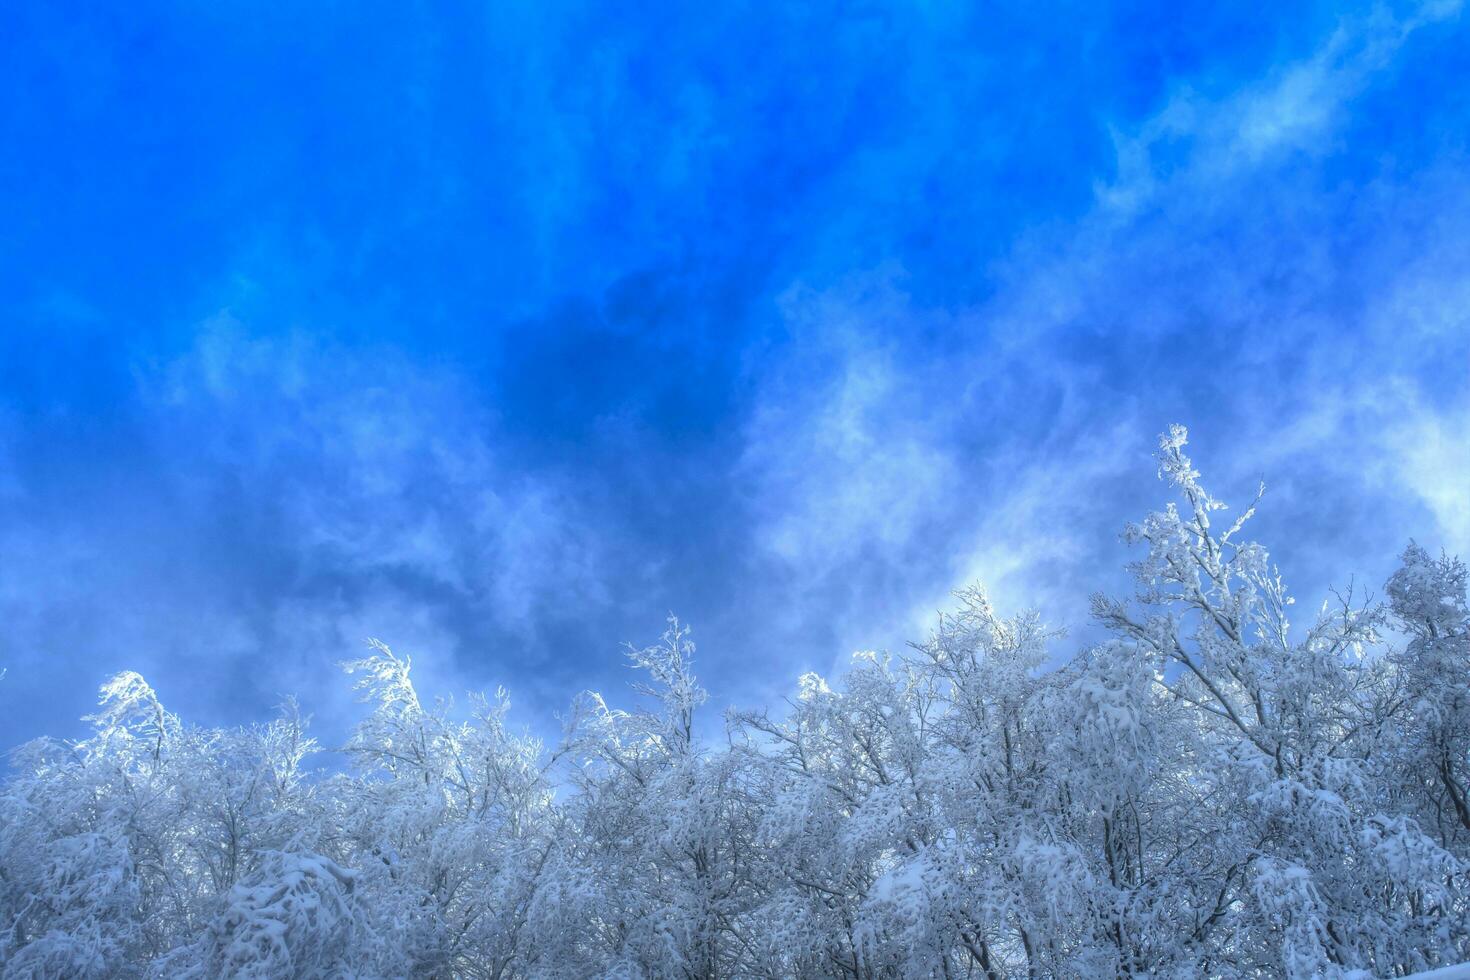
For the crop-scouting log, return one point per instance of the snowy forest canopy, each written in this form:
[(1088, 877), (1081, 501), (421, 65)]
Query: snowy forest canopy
[(1209, 792)]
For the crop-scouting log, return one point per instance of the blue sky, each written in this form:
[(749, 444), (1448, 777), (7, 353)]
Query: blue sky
[(499, 331)]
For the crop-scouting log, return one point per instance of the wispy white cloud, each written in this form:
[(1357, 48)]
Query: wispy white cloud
[(401, 472), (1428, 454), (848, 451), (1197, 140)]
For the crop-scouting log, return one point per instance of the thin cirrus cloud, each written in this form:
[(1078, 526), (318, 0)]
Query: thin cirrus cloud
[(792, 360), (1297, 107)]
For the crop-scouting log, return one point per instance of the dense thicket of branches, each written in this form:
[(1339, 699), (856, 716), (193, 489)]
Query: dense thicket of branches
[(1209, 793)]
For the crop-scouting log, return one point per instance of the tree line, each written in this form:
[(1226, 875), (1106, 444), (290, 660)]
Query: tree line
[(1211, 792)]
